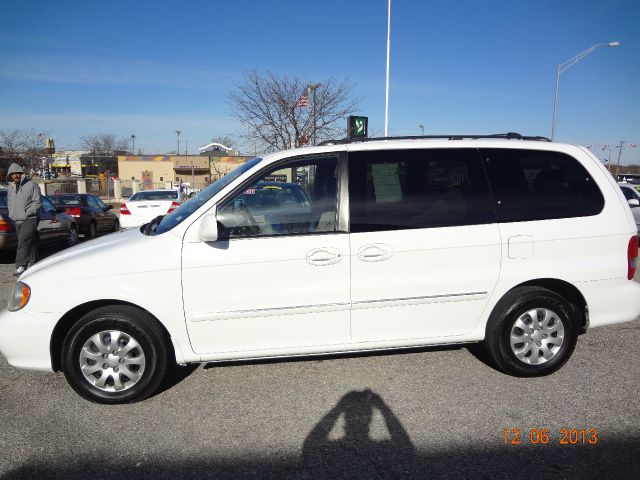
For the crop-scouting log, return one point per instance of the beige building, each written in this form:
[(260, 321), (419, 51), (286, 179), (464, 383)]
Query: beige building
[(67, 162), (153, 171)]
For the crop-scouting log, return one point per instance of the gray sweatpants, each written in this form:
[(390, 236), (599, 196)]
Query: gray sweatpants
[(27, 242)]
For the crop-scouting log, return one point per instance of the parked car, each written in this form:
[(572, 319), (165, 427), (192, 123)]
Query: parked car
[(144, 206), (92, 215), (632, 194), (53, 226), (516, 242)]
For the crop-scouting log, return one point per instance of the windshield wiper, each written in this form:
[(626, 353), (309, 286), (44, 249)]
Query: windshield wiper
[(150, 227)]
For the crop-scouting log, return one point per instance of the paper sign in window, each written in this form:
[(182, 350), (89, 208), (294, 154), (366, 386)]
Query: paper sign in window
[(386, 182)]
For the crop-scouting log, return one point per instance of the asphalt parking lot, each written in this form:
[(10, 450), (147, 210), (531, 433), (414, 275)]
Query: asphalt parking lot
[(430, 413)]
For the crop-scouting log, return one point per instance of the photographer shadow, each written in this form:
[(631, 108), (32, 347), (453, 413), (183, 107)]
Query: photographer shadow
[(356, 454)]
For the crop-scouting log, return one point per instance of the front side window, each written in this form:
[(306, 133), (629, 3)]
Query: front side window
[(294, 198), (405, 189), (540, 185), (186, 209), (100, 203), (629, 194)]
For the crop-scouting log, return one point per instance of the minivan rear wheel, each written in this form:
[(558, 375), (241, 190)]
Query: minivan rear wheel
[(531, 332), (115, 354)]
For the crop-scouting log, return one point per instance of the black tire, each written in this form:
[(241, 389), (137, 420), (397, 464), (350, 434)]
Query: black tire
[(72, 237), (116, 226), (148, 352), (512, 312), (93, 231)]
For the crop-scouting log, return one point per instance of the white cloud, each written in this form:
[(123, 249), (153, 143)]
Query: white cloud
[(90, 70), (154, 133)]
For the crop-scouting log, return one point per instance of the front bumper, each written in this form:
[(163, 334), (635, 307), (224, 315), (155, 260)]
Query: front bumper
[(25, 339)]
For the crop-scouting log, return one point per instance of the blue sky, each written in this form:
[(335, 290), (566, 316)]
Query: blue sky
[(149, 68)]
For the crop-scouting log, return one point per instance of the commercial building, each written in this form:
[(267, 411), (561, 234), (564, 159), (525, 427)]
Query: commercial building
[(155, 171)]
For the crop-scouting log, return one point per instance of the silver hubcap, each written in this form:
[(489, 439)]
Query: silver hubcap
[(537, 336), (73, 236), (112, 361)]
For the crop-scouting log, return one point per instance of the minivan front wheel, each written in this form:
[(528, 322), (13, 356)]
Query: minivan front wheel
[(531, 332), (115, 354)]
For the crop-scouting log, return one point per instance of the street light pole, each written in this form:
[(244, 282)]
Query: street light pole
[(178, 132), (564, 66)]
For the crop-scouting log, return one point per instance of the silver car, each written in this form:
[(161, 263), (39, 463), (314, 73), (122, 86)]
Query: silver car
[(53, 226)]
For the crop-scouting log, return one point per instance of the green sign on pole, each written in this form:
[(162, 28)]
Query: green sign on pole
[(358, 127)]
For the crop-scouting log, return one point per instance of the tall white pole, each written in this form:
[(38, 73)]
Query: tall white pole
[(386, 105)]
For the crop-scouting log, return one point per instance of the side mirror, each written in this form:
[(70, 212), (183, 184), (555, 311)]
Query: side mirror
[(109, 207), (634, 202), (208, 231)]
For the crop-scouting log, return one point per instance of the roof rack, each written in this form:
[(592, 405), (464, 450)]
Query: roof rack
[(507, 136)]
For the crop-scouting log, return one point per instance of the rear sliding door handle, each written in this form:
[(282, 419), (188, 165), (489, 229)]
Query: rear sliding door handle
[(375, 253)]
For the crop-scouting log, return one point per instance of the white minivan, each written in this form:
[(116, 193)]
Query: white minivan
[(352, 246)]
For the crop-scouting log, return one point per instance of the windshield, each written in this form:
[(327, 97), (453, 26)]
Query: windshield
[(181, 213)]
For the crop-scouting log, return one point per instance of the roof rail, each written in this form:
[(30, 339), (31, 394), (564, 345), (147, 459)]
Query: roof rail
[(506, 136)]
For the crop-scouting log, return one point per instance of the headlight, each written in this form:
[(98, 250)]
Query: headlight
[(19, 297)]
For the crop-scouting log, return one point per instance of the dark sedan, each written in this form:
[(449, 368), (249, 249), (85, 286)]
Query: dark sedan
[(53, 227), (92, 215)]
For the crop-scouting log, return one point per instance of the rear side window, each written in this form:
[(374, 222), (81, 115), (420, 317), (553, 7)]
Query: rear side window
[(155, 195), (405, 189), (65, 200), (540, 185)]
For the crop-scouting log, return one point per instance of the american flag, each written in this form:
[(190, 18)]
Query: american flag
[(303, 101)]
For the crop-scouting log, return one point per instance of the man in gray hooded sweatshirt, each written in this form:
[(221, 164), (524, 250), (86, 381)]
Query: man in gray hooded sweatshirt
[(24, 201)]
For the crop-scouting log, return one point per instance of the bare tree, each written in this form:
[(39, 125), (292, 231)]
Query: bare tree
[(27, 146), (279, 111), (103, 144), (225, 140)]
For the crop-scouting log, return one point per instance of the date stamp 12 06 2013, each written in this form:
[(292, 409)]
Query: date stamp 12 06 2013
[(546, 436)]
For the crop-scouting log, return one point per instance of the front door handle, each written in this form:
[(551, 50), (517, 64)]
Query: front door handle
[(324, 256), (375, 253)]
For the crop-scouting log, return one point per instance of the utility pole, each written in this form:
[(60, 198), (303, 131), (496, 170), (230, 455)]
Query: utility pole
[(314, 87), (621, 146), (178, 132)]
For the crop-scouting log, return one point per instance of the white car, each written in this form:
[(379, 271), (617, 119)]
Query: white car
[(632, 193), (142, 207), (516, 242)]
